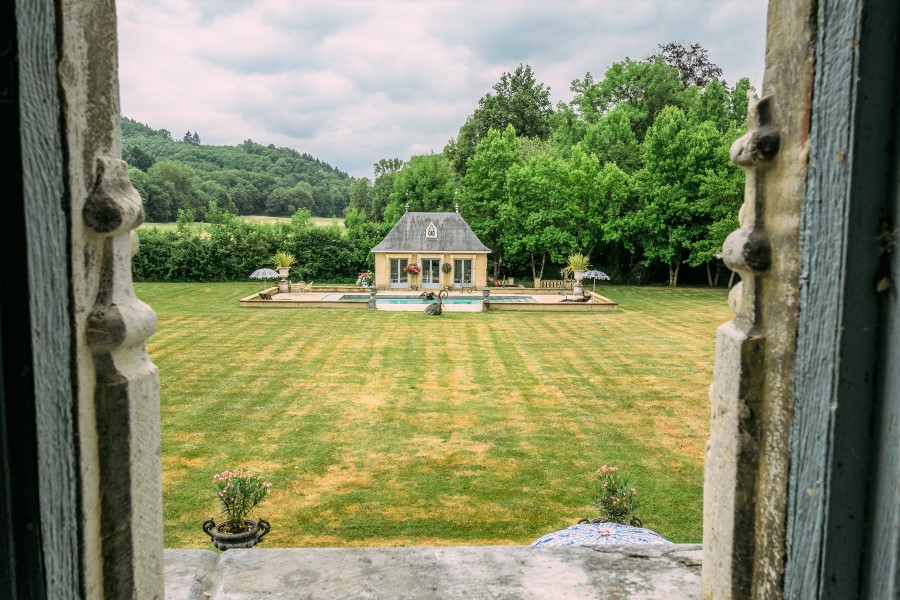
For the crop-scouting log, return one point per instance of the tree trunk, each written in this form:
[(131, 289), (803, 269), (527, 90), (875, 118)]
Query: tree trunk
[(673, 273), (712, 275), (534, 270)]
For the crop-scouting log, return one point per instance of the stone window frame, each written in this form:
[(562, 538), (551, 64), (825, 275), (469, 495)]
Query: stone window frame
[(101, 322)]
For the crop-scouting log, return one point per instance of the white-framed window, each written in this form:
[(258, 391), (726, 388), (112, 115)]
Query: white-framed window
[(431, 231)]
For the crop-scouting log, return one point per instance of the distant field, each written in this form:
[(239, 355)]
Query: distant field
[(317, 221), (399, 429)]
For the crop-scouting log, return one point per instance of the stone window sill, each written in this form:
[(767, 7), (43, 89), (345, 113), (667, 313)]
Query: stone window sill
[(514, 572)]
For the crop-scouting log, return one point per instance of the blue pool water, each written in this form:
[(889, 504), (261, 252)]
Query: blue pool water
[(473, 299)]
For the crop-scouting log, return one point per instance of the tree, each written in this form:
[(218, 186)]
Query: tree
[(213, 191), (713, 105), (740, 96), (284, 201), (486, 188), (520, 101), (425, 183), (612, 140), (385, 170), (671, 219), (517, 100), (585, 193), (693, 64), (720, 195), (361, 196), (387, 165), (136, 157), (641, 88), (538, 214), (172, 183)]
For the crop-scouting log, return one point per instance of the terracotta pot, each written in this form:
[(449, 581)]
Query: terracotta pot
[(244, 539)]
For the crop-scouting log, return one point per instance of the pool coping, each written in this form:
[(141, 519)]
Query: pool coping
[(327, 297)]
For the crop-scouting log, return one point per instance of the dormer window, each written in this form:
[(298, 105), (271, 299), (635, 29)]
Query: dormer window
[(431, 231)]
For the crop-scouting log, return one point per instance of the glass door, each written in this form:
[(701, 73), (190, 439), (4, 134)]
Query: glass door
[(431, 272), (398, 275), (462, 272)]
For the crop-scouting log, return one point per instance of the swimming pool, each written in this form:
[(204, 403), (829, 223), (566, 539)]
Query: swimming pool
[(473, 299)]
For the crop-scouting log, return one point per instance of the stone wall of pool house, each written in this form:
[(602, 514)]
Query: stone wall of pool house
[(383, 277)]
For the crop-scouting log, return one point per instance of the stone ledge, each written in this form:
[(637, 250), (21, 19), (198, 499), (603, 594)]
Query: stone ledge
[(496, 572)]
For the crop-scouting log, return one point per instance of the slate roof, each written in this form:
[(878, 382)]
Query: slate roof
[(453, 234)]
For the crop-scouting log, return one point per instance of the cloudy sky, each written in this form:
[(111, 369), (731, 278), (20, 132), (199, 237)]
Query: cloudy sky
[(351, 82)]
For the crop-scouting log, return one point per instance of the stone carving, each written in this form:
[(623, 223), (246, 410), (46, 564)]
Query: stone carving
[(736, 396), (126, 396)]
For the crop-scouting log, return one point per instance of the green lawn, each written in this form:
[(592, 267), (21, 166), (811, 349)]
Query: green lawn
[(394, 429)]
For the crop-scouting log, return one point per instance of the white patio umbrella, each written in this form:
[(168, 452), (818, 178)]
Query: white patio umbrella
[(264, 274), (595, 275)]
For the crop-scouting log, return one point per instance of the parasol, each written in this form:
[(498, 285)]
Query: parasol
[(264, 274)]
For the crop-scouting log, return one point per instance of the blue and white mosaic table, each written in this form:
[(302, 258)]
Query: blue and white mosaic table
[(600, 534)]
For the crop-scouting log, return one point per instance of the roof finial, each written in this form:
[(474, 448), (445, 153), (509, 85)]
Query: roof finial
[(407, 207), (457, 207)]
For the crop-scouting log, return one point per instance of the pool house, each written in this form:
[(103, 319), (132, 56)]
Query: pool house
[(431, 250)]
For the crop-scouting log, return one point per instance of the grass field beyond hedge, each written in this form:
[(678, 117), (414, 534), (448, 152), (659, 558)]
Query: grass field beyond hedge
[(265, 220), (394, 429)]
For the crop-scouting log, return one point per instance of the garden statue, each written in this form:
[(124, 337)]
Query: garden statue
[(436, 308)]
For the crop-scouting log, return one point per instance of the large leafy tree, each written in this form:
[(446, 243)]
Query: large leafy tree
[(713, 105), (539, 212), (641, 88), (612, 140), (386, 171), (585, 191), (720, 195), (426, 183), (361, 196), (486, 188), (670, 219), (740, 97), (517, 100)]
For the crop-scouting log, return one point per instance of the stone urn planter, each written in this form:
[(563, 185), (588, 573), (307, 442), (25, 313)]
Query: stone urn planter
[(578, 288), (246, 539), (283, 262)]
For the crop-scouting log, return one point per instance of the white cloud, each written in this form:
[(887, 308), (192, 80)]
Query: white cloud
[(351, 82)]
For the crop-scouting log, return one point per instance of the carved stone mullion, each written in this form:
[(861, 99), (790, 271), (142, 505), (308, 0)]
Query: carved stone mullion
[(737, 393), (126, 396)]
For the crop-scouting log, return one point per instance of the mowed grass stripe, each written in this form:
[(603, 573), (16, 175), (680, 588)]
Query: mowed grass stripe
[(388, 429)]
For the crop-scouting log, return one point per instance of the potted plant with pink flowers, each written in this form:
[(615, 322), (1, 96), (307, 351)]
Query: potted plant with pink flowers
[(238, 492), (615, 498), (413, 271)]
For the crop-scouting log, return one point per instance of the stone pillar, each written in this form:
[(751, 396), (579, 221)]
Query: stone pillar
[(117, 403), (748, 453)]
